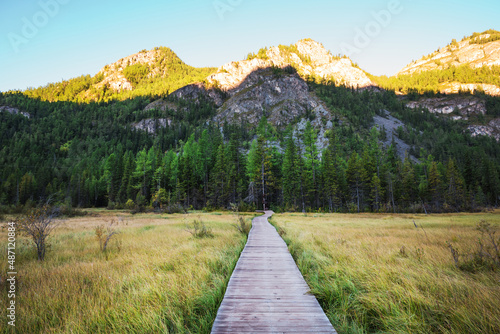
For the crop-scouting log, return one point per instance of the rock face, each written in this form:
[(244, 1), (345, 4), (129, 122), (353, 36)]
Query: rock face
[(491, 130), (281, 98), (150, 125), (14, 111), (457, 87), (459, 53), (113, 73), (308, 57), (390, 124), (160, 105), (197, 90), (464, 105)]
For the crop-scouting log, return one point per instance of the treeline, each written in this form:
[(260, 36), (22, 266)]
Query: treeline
[(211, 171)]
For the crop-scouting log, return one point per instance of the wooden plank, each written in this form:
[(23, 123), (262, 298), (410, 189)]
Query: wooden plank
[(266, 292)]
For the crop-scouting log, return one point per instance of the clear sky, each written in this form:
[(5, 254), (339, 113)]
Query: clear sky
[(44, 41)]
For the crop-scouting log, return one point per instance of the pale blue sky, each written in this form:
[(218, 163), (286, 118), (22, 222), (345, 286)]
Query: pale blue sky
[(80, 37)]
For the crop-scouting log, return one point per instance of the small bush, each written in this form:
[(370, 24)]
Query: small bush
[(199, 230), (69, 211), (138, 209), (241, 224), (174, 208), (486, 255), (130, 205)]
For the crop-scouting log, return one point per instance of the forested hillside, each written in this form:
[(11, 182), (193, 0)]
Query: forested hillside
[(86, 154)]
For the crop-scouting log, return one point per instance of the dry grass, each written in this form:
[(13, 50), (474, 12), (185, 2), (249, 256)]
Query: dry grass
[(378, 273), (155, 277)]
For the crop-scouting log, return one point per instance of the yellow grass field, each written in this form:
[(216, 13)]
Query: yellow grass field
[(375, 273), (155, 277)]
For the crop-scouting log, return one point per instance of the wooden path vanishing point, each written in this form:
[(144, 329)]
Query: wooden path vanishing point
[(266, 292)]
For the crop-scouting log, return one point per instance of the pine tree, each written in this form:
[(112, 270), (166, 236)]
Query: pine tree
[(126, 191), (376, 192), (311, 163), (455, 192), (408, 183), (331, 173), (354, 174), (113, 175), (434, 184), (219, 180), (291, 181), (142, 174), (259, 169)]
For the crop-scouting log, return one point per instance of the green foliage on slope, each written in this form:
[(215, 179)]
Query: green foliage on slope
[(429, 81), (165, 74), (494, 36), (136, 73)]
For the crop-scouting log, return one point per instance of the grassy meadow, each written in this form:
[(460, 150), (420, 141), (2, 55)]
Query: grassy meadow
[(376, 273), (155, 277)]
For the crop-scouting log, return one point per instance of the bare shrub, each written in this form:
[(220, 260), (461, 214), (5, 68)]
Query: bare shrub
[(37, 224), (105, 234), (486, 255)]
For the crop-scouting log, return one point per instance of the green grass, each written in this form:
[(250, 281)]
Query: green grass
[(156, 278), (379, 274)]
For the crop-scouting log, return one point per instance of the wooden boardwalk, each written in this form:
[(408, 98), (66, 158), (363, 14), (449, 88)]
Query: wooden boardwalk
[(266, 292)]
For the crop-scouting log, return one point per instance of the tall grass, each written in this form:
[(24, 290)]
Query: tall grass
[(160, 280), (381, 274)]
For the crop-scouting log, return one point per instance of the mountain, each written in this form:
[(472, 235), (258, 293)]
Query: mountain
[(293, 127), (273, 83), (147, 73), (471, 65)]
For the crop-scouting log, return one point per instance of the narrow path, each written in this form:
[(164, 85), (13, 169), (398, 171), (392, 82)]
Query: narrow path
[(267, 293)]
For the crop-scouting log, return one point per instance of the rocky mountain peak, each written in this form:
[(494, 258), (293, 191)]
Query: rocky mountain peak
[(315, 51), (152, 61), (307, 56)]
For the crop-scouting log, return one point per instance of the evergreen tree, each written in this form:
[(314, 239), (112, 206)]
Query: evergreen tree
[(455, 192), (311, 163), (354, 174), (291, 181)]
